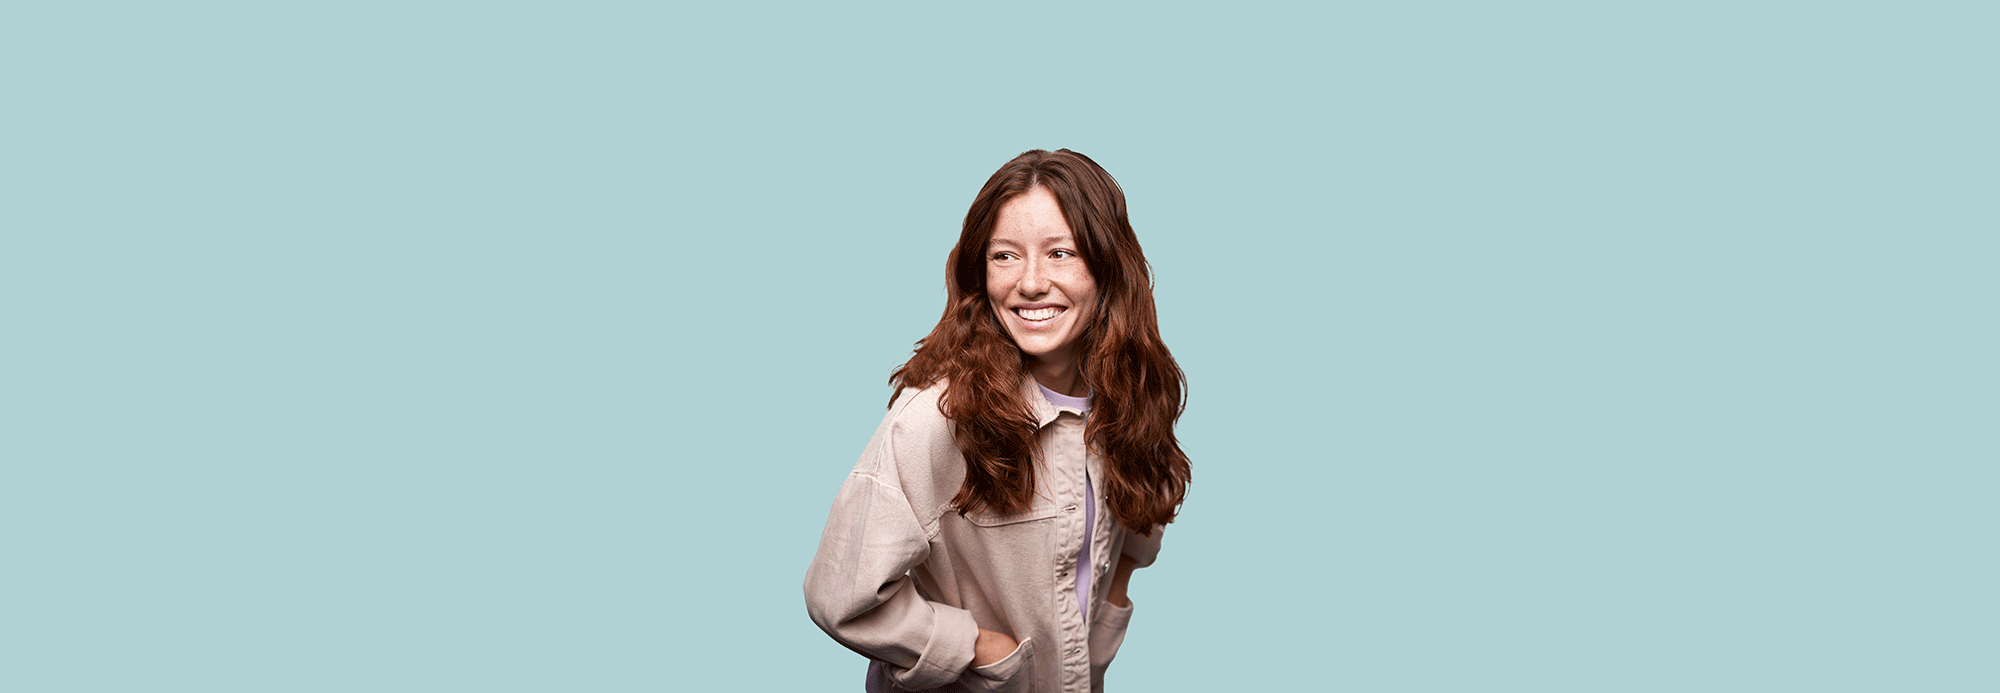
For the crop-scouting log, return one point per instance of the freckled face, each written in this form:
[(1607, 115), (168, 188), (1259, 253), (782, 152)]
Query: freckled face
[(1036, 281)]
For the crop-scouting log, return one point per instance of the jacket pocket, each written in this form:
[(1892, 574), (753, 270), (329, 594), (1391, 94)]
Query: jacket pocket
[(1014, 673), (1107, 632), (1013, 557)]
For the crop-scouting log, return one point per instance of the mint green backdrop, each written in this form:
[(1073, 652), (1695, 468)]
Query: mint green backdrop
[(474, 346)]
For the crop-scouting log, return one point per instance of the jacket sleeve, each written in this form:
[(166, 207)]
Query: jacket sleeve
[(858, 589)]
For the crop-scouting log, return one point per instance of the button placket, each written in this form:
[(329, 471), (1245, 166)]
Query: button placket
[(1071, 466)]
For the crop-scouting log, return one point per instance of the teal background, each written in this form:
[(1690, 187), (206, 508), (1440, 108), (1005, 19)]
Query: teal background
[(516, 347)]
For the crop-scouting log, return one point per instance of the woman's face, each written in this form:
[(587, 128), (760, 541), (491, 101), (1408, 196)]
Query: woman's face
[(1036, 281)]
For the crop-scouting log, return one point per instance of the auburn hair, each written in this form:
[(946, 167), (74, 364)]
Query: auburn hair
[(1137, 391)]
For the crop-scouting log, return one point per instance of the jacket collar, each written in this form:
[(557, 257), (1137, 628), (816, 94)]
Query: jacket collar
[(1044, 410)]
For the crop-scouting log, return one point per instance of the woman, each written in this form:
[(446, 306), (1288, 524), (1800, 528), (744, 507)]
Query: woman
[(1029, 441)]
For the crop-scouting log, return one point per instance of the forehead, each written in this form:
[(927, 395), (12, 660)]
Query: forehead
[(1031, 218)]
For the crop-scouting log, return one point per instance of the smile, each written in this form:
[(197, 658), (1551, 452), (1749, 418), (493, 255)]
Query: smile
[(1039, 314)]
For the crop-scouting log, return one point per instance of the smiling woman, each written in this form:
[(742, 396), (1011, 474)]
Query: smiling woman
[(1029, 440)]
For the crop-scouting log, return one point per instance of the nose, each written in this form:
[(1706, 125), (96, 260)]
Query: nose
[(1034, 279)]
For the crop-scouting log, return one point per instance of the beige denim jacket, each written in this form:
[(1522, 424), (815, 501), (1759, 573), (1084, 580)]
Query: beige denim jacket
[(902, 578)]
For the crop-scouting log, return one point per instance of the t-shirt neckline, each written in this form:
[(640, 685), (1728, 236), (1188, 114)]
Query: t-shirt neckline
[(1062, 400)]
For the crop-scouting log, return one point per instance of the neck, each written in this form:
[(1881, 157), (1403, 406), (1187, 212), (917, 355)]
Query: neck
[(1059, 375)]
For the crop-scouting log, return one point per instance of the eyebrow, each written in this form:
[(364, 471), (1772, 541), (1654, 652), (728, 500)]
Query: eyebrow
[(1053, 239)]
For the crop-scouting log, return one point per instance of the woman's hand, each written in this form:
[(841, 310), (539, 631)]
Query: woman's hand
[(1120, 579), (991, 647)]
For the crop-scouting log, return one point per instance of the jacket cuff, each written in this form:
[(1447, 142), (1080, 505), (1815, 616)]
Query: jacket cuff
[(948, 653), (1144, 549)]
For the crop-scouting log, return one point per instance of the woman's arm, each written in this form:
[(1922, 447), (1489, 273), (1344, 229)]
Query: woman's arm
[(1120, 579), (1140, 551), (859, 592)]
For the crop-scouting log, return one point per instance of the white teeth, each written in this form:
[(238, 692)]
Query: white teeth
[(1039, 314)]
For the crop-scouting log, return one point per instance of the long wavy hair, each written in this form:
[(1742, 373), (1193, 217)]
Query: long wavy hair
[(1137, 391)]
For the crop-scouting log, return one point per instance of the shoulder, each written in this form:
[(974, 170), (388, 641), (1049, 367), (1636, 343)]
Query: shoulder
[(920, 407), (914, 449), (916, 428)]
